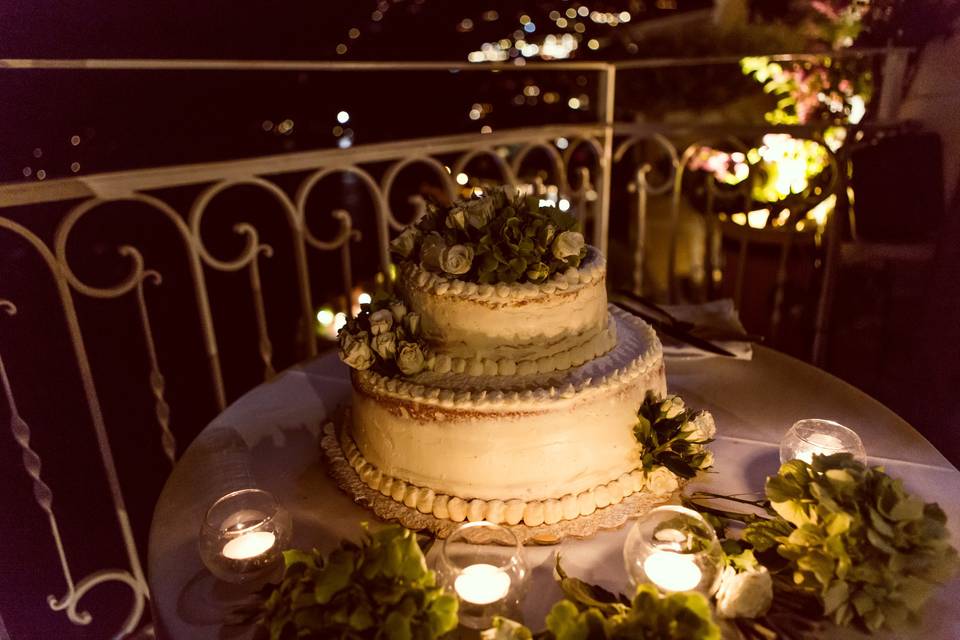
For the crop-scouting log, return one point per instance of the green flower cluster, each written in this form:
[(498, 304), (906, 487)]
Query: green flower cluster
[(673, 436), (385, 337), (380, 589), (592, 612), (498, 237), (852, 535)]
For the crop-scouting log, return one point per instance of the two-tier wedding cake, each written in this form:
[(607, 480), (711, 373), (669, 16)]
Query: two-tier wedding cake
[(496, 383)]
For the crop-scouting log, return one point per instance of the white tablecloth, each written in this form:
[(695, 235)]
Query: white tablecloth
[(754, 403)]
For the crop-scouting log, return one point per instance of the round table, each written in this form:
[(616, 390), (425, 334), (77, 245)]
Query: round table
[(754, 403)]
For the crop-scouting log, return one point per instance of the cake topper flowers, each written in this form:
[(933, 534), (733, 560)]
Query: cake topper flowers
[(498, 237)]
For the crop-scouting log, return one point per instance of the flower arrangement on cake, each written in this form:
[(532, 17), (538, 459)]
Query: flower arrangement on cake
[(384, 336), (501, 236)]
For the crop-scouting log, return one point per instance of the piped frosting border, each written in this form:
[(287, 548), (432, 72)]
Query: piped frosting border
[(479, 398), (592, 268), (532, 513)]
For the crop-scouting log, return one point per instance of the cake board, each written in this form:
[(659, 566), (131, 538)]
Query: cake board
[(386, 508)]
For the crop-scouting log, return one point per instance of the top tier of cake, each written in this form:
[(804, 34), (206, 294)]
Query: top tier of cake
[(516, 327)]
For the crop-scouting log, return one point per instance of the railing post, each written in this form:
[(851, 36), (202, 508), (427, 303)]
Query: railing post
[(607, 96)]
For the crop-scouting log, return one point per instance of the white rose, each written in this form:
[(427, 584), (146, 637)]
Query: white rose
[(433, 245), (505, 629), (456, 219), (702, 427), (411, 324), (410, 358), (385, 344), (672, 407), (744, 595), (707, 461), (568, 243), (398, 309), (355, 350), (404, 244), (456, 260), (381, 321), (479, 212), (662, 481)]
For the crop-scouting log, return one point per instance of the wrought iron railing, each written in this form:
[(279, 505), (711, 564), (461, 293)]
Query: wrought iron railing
[(581, 174)]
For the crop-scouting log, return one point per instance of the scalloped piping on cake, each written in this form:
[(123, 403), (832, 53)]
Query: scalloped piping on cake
[(592, 269), (406, 390), (599, 344), (532, 513)]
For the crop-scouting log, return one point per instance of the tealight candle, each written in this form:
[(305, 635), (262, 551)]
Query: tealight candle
[(482, 584), (483, 564), (675, 549), (672, 571), (243, 536), (807, 438), (249, 545)]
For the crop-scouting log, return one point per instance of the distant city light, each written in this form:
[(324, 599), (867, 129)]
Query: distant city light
[(354, 33), (38, 153), (562, 143), (475, 114), (529, 27), (593, 43), (41, 174), (344, 142), (376, 16), (466, 25), (343, 117), (491, 15), (524, 19), (571, 12), (583, 11), (339, 321), (364, 298), (27, 172), (462, 178), (341, 49), (75, 140), (285, 127), (573, 103), (547, 203), (486, 129), (74, 166), (564, 204)]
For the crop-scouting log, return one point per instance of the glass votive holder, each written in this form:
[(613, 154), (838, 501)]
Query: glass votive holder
[(243, 536), (824, 437), (675, 549), (482, 563)]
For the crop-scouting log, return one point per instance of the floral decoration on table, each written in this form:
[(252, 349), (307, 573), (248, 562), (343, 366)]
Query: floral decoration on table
[(673, 441), (378, 589), (589, 611), (384, 337), (500, 236), (839, 540)]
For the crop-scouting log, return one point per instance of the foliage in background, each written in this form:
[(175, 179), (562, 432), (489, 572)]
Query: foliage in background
[(378, 589), (849, 535), (500, 236), (672, 436), (589, 611)]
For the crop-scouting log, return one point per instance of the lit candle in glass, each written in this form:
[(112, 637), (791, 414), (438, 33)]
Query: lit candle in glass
[(483, 564), (243, 536), (807, 438), (482, 584), (675, 549), (672, 571)]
